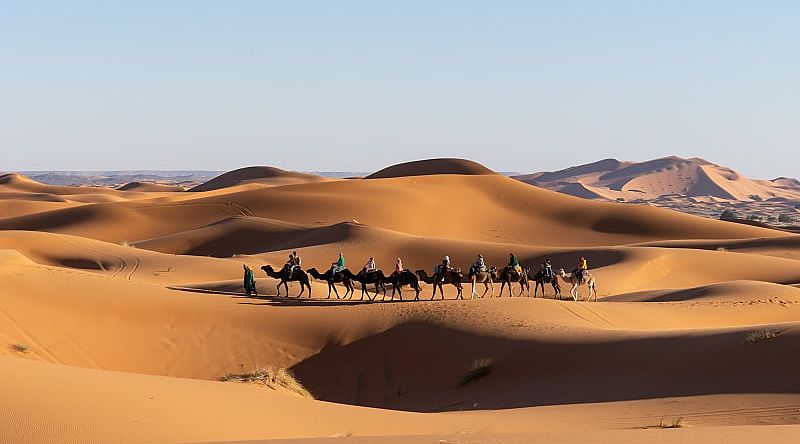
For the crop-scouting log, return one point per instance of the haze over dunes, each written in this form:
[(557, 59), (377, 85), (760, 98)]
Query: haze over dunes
[(123, 308)]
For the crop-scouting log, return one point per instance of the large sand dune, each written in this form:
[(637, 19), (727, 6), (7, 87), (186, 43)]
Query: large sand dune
[(121, 310), (662, 177)]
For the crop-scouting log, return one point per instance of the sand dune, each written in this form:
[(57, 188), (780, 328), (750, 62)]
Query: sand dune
[(122, 309), (432, 167), (149, 187), (661, 177), (262, 175)]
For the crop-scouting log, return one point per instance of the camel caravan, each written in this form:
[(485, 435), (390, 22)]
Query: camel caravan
[(442, 274)]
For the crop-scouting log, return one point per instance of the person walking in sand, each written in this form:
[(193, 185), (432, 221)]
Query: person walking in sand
[(249, 281)]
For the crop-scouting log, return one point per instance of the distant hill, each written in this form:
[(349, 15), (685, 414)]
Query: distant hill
[(612, 179)]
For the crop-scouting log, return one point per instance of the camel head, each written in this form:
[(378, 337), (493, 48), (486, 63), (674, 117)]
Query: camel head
[(561, 272), (267, 268)]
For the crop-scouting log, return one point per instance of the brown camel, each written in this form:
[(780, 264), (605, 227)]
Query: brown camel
[(453, 277), (576, 283), (373, 277), (541, 279), (332, 279), (509, 276), (486, 278), (283, 275), (405, 278)]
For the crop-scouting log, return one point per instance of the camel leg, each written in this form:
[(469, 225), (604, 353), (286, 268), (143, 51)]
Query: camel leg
[(473, 293), (574, 292)]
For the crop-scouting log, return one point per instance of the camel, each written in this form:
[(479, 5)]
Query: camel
[(509, 276), (573, 280), (373, 277), (405, 278), (283, 275), (486, 278), (453, 277), (541, 279), (331, 279)]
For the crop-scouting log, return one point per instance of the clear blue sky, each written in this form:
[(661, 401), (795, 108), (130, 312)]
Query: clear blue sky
[(349, 85)]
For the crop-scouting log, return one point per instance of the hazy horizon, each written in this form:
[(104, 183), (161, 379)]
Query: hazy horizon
[(357, 86)]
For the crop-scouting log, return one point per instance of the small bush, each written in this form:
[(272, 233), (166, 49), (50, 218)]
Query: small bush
[(20, 348), (478, 369), (675, 423), (728, 215), (786, 218), (761, 335), (279, 379)]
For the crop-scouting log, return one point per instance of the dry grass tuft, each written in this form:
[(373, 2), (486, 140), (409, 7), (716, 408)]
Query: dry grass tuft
[(20, 348), (675, 423), (279, 379), (478, 369), (761, 335)]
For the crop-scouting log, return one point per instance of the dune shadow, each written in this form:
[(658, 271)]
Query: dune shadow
[(421, 367)]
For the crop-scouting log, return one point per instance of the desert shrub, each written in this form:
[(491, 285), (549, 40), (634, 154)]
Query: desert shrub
[(20, 348), (761, 335), (478, 369), (280, 379), (754, 217), (786, 218), (675, 423)]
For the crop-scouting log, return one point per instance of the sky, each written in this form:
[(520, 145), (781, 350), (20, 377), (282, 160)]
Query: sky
[(358, 85)]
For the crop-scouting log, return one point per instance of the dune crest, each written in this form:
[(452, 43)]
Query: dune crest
[(262, 175), (431, 167)]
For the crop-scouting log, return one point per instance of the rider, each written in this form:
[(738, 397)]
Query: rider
[(296, 262), (547, 268), (398, 267), (582, 267), (289, 265), (442, 268), (479, 266), (369, 267), (337, 266), (513, 263)]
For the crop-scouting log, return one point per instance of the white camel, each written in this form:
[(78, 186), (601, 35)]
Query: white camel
[(575, 283)]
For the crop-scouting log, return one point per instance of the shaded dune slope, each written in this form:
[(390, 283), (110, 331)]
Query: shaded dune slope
[(432, 167)]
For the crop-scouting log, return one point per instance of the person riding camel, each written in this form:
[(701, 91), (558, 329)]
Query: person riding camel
[(294, 263), (547, 269), (582, 267), (289, 264), (337, 266), (513, 263), (398, 267), (440, 270), (479, 266), (369, 267)]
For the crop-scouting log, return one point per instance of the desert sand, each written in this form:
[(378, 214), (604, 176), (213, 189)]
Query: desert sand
[(122, 310)]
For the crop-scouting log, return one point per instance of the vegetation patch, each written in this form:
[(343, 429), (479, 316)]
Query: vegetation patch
[(674, 423), (20, 348), (279, 379), (761, 335)]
